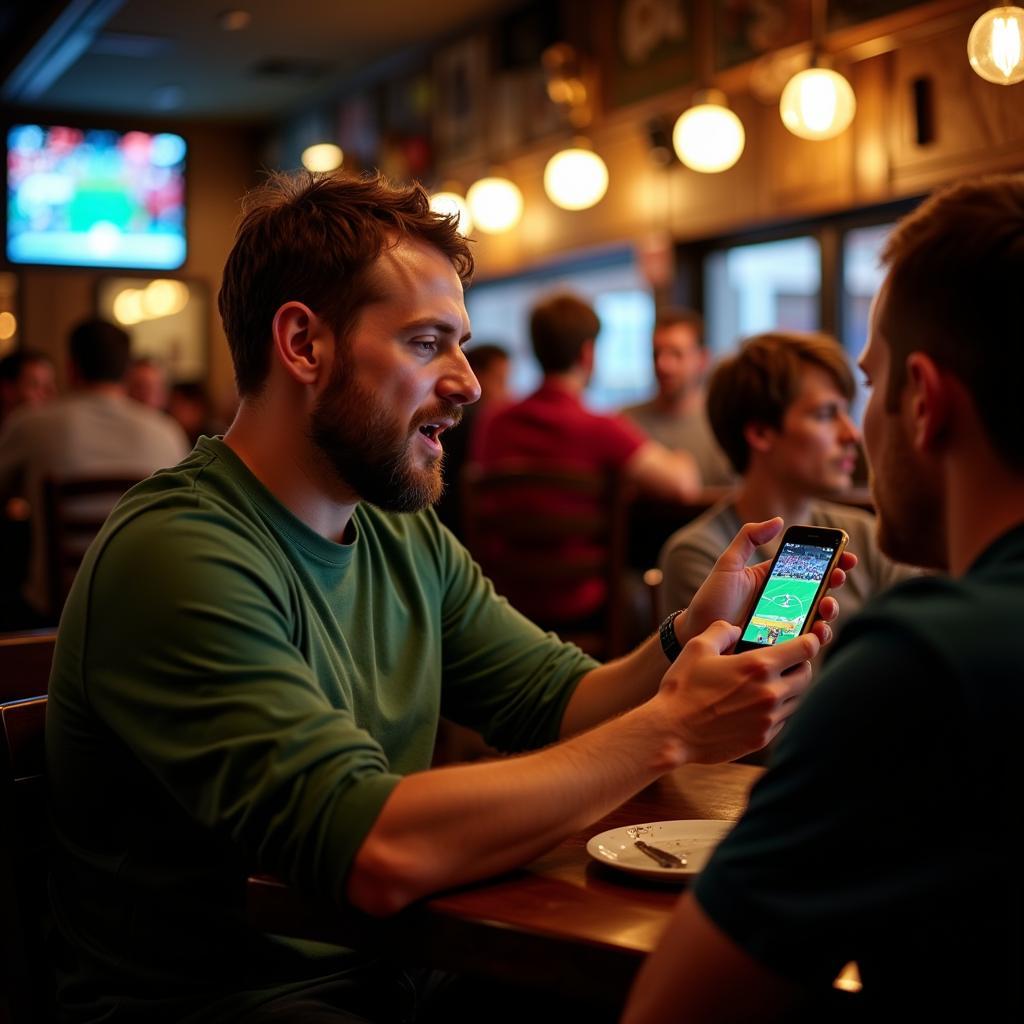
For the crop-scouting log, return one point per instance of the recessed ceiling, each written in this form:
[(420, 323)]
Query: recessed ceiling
[(147, 57)]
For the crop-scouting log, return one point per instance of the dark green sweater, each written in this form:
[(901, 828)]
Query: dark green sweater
[(231, 692)]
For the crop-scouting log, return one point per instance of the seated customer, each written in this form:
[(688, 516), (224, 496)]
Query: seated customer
[(780, 408), (553, 428), (490, 365), (676, 415), (886, 831), (94, 431)]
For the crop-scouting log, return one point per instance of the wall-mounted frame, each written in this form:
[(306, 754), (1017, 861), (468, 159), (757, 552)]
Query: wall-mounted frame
[(166, 318)]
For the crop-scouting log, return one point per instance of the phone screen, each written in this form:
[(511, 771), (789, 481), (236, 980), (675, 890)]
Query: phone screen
[(790, 593)]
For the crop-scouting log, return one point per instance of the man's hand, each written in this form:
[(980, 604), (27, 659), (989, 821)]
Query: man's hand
[(729, 590), (720, 708)]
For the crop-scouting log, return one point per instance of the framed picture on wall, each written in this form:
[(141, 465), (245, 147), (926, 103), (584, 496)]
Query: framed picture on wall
[(842, 13), (460, 98), (166, 318), (747, 29), (649, 44)]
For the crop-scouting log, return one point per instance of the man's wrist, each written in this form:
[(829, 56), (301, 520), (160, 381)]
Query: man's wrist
[(670, 644)]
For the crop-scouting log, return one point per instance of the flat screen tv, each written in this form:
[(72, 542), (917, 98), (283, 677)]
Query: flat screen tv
[(95, 198)]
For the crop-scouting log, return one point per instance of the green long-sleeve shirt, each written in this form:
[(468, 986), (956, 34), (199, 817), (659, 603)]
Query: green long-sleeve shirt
[(233, 692)]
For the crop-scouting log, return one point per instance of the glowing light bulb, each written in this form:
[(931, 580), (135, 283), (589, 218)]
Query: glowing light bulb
[(324, 156), (817, 104), (496, 204), (448, 203), (709, 137), (575, 179), (995, 46)]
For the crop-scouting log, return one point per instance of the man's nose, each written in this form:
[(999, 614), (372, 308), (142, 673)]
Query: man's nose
[(458, 383), (849, 428)]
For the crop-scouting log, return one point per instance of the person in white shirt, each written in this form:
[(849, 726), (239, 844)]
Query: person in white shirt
[(96, 430)]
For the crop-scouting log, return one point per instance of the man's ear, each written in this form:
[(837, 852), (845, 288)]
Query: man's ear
[(930, 402), (587, 351), (300, 340), (759, 436)]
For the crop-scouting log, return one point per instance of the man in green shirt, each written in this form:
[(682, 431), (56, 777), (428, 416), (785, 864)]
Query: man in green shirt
[(256, 650), (886, 830)]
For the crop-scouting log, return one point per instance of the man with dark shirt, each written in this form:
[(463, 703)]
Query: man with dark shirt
[(886, 831)]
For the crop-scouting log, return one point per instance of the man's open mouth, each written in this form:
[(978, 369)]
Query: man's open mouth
[(433, 430)]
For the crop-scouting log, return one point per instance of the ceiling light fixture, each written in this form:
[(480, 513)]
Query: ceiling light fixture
[(448, 203), (709, 137), (817, 103), (576, 178), (995, 46), (496, 204), (324, 156)]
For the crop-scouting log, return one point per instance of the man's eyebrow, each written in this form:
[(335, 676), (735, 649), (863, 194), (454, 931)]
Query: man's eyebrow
[(442, 326)]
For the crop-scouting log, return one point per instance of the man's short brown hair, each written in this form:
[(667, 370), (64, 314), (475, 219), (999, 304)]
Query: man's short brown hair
[(558, 328), (956, 266), (762, 380), (673, 316), (312, 238), (100, 351)]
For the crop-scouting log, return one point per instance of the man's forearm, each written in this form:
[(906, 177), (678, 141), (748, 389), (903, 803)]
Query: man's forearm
[(450, 826), (616, 687)]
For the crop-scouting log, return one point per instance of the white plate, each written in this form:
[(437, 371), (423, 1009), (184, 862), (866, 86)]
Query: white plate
[(693, 840)]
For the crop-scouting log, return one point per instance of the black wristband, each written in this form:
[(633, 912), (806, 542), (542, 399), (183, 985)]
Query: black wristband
[(669, 641)]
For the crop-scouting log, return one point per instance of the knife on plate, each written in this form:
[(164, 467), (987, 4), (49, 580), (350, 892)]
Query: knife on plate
[(661, 857)]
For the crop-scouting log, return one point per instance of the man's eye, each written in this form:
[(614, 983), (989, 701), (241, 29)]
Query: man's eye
[(425, 344)]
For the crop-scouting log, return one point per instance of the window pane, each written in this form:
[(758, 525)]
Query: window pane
[(862, 277), (499, 313), (762, 287)]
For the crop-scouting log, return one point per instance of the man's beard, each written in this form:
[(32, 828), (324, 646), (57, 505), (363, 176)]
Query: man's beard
[(909, 505), (369, 449)]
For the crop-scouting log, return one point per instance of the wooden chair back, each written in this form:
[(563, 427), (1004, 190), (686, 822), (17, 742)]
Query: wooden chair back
[(75, 509), (532, 552), (23, 849), (25, 660)]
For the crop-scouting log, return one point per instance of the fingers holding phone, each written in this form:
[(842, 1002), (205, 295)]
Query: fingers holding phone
[(725, 707)]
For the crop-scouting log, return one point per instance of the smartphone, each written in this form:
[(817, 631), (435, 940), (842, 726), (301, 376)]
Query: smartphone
[(797, 581)]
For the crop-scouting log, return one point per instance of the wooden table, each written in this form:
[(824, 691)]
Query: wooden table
[(563, 921)]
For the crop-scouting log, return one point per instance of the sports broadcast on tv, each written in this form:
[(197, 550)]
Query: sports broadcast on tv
[(95, 197)]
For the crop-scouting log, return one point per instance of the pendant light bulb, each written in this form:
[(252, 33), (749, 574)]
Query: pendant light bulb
[(709, 137), (995, 46), (496, 204), (575, 179), (817, 103), (448, 203), (324, 156)]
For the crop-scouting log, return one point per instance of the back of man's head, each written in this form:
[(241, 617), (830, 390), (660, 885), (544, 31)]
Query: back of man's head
[(760, 382), (559, 328), (100, 351), (953, 292), (312, 238)]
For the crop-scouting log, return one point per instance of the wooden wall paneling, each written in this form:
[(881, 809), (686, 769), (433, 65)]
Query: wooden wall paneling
[(978, 126), (871, 153), (805, 175), (708, 204)]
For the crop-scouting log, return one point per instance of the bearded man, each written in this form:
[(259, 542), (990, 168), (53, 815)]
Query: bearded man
[(258, 646)]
